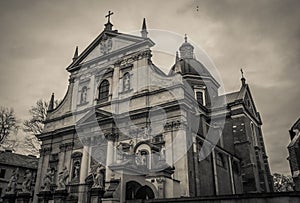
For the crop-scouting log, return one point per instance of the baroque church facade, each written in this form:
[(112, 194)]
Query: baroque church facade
[(125, 130)]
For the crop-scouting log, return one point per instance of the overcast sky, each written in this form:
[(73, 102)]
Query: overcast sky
[(38, 38)]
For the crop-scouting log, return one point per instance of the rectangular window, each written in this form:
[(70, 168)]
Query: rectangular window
[(158, 138), (220, 160), (2, 173), (199, 97)]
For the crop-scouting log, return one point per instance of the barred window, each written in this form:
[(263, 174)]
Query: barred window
[(199, 95)]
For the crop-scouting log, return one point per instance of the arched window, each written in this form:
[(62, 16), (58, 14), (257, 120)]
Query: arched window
[(103, 91), (126, 82), (83, 95)]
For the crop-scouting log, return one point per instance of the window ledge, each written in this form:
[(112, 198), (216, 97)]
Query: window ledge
[(127, 91), (83, 104)]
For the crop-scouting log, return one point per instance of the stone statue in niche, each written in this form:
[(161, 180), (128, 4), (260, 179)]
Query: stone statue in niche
[(162, 153), (138, 158), (130, 147), (26, 185), (141, 158), (62, 179), (83, 96), (13, 181), (119, 151), (126, 82), (76, 170), (48, 179), (146, 133), (125, 153), (98, 177)]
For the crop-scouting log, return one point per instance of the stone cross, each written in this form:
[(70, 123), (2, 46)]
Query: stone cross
[(242, 72), (108, 15)]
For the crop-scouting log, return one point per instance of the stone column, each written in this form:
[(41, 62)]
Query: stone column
[(215, 172), (61, 158), (168, 144), (110, 154), (231, 175), (39, 177), (161, 187), (84, 170), (42, 170), (84, 164), (67, 157)]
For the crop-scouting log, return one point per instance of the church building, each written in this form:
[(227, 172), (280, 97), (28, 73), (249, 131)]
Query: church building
[(126, 130), (294, 153)]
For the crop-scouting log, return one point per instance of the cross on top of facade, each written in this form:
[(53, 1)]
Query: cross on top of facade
[(108, 16)]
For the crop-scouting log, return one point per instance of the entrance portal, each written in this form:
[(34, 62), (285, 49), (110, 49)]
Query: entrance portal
[(135, 191)]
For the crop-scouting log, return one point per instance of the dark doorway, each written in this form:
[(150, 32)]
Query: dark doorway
[(135, 191), (131, 189), (144, 192)]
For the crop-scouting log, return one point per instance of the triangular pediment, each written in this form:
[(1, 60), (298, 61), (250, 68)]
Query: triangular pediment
[(93, 116), (108, 44), (243, 96), (249, 102)]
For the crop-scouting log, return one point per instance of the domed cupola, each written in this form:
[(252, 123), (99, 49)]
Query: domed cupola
[(186, 64), (186, 50)]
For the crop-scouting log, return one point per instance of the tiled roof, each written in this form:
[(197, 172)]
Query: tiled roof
[(226, 98), (231, 97), (19, 160)]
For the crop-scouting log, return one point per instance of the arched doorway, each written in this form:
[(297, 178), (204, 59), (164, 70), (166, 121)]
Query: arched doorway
[(145, 192), (131, 189), (135, 191)]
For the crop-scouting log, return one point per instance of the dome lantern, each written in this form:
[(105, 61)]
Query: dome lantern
[(186, 50)]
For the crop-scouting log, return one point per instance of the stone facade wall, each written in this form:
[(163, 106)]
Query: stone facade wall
[(292, 197), (218, 174), (294, 154)]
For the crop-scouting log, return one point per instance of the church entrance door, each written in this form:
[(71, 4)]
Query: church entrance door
[(134, 191)]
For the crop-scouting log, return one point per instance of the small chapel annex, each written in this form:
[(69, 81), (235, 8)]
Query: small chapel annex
[(125, 130)]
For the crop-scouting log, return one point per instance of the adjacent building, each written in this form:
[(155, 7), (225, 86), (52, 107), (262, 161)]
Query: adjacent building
[(294, 153), (10, 164), (125, 130)]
